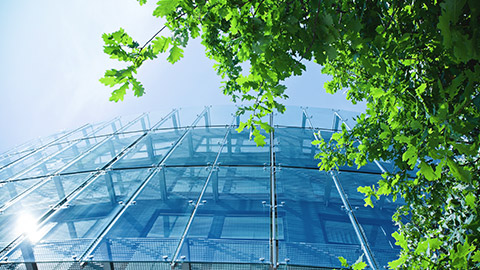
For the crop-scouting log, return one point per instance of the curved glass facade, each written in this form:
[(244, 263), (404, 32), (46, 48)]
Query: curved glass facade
[(184, 190)]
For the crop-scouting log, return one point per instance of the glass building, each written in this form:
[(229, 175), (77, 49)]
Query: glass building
[(184, 190)]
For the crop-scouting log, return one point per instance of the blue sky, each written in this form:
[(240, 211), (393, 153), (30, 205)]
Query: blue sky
[(52, 57)]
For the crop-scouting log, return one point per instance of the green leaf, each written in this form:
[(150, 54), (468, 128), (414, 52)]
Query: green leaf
[(175, 54), (458, 172), (410, 156), (109, 80), (241, 126), (402, 138), (265, 126), (119, 94), (401, 241), (397, 263), (429, 244), (343, 261), (465, 149), (137, 88), (377, 92), (258, 138), (408, 62), (476, 256), (160, 44), (428, 172), (368, 192), (459, 255), (421, 89), (470, 200), (359, 264), (165, 7)]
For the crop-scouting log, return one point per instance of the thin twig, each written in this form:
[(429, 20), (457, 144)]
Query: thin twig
[(255, 13), (158, 32)]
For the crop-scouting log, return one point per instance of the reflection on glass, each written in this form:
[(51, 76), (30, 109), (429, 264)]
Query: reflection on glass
[(129, 196), (27, 225)]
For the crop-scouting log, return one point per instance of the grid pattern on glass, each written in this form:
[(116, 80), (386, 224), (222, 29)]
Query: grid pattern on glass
[(240, 150), (316, 228), (294, 147), (189, 191), (199, 148), (233, 220), (151, 228)]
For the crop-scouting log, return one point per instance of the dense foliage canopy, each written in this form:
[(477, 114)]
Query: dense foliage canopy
[(415, 63)]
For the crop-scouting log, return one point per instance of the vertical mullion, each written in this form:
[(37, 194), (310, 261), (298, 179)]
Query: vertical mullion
[(273, 201)]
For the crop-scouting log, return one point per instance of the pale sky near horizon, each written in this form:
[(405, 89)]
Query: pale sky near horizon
[(51, 57)]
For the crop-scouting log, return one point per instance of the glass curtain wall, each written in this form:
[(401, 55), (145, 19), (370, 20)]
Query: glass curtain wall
[(184, 190)]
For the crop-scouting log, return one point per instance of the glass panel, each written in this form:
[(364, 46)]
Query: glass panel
[(292, 117), (104, 153), (71, 229), (320, 118), (218, 116), (35, 143), (10, 190), (156, 116), (130, 123), (232, 224), (294, 147), (23, 213), (349, 117), (199, 147), (186, 116), (151, 149), (7, 159), (57, 160), (240, 150), (100, 129), (377, 222), (18, 168), (313, 227), (370, 167), (151, 229), (231, 227)]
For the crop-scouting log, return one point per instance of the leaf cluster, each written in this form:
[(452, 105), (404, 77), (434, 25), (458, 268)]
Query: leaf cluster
[(415, 63)]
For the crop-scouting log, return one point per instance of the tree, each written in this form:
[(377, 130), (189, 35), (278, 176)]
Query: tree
[(415, 63)]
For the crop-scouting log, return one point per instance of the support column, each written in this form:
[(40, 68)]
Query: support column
[(207, 118), (163, 184), (110, 188), (215, 185), (273, 202), (356, 225), (28, 256)]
